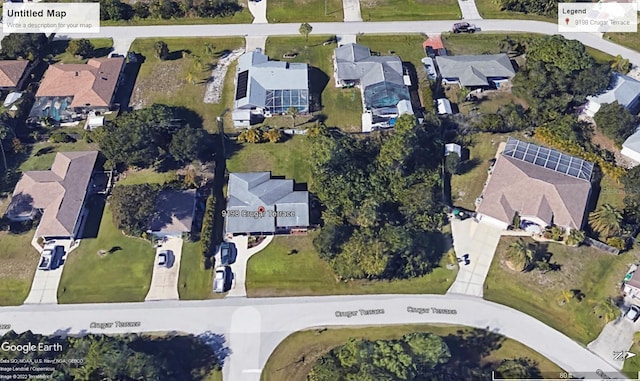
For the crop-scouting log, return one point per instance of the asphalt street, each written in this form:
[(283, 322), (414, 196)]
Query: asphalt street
[(254, 327)]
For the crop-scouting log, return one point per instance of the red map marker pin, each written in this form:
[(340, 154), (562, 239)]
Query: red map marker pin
[(567, 20)]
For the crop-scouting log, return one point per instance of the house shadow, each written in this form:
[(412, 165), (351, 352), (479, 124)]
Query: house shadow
[(414, 95), (125, 89), (95, 206), (318, 81)]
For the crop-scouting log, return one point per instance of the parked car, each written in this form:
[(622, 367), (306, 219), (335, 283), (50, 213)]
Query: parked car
[(227, 251), (50, 256), (464, 27), (222, 279), (165, 258), (633, 313)]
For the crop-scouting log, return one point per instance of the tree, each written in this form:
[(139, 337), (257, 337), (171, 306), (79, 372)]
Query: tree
[(23, 45), (209, 49), (305, 30), (621, 65), (115, 10), (615, 121), (631, 182), (189, 144), (252, 135), (576, 237), (161, 49), (133, 206), (558, 52), (293, 112), (451, 162), (81, 47), (606, 220), (519, 255), (274, 135), (520, 368)]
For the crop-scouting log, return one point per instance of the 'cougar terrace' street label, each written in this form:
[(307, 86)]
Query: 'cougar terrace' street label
[(5, 326), (116, 324), (361, 312), (432, 310)]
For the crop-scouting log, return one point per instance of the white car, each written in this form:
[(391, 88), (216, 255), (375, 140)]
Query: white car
[(633, 313), (221, 279)]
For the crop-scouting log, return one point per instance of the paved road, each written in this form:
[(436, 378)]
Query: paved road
[(254, 327), (616, 336), (341, 28)]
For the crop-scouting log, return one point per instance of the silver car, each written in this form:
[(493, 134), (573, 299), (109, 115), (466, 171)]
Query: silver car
[(221, 279), (633, 313), (165, 258)]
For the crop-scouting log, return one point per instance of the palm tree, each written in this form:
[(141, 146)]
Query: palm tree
[(274, 135), (566, 296), (519, 255), (576, 237), (191, 78), (606, 220), (293, 112), (305, 29), (607, 310), (209, 49)]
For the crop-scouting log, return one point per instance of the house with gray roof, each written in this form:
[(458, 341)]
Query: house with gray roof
[(265, 88), (381, 80), (175, 209), (622, 89), (58, 195), (631, 147), (260, 204), (476, 71), (544, 186)]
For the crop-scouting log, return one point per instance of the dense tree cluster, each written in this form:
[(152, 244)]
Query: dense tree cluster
[(415, 357), (133, 206), (166, 9), (616, 122), (510, 117), (145, 136), (539, 7), (80, 47), (382, 199), (631, 182), (126, 357), (207, 245), (23, 45)]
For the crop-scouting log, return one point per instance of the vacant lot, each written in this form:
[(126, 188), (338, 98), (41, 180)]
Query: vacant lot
[(181, 79), (339, 107), (102, 47), (19, 261), (393, 10), (123, 274), (304, 11), (630, 40), (482, 43), (311, 344), (277, 271), (289, 159), (593, 273), (489, 9)]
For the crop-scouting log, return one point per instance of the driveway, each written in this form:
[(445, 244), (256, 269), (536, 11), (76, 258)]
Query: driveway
[(44, 288), (164, 282), (469, 10), (617, 336), (479, 240), (351, 10), (259, 11), (239, 267)]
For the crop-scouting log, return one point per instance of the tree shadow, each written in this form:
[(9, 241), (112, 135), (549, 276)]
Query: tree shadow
[(468, 165), (44, 151), (318, 81), (472, 345), (176, 55)]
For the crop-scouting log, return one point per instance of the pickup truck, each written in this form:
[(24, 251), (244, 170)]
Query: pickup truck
[(464, 27), (50, 257)]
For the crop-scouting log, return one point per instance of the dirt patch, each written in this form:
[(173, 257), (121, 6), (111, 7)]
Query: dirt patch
[(605, 142), (165, 78)]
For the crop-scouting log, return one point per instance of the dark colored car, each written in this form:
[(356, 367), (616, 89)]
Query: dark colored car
[(227, 253), (165, 258), (464, 27)]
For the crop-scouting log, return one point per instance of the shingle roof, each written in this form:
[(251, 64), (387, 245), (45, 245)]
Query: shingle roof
[(250, 191), (11, 71), (175, 210), (474, 70), (622, 89), (534, 191), (60, 191), (93, 83)]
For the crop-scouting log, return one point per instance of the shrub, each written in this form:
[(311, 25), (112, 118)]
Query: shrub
[(206, 233), (617, 242), (60, 137)]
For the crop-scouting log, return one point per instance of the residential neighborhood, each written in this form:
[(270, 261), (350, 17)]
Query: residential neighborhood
[(245, 191)]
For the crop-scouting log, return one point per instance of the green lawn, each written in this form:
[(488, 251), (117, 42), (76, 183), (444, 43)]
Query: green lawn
[(489, 9), (243, 17), (289, 159), (276, 272), (145, 176), (611, 192), (300, 11), (341, 107), (481, 43), (596, 274), (396, 10), (43, 154), (167, 81), (630, 40), (122, 276), (102, 47), (632, 365), (194, 282), (311, 344), (19, 261)]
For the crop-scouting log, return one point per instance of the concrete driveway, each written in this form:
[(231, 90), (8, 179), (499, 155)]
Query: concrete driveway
[(351, 10), (239, 267), (164, 283), (259, 11), (617, 336), (44, 288), (479, 240), (469, 10)]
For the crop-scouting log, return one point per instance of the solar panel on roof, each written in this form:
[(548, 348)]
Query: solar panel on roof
[(243, 79), (548, 158)]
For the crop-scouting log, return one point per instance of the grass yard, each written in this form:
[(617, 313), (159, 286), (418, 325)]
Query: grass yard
[(287, 159), (630, 40), (242, 17), (276, 272), (102, 47), (482, 43), (43, 154), (121, 276), (341, 107), (490, 10), (469, 184), (611, 192), (312, 344), (596, 274), (397, 10), (19, 261), (194, 282), (632, 365), (145, 176), (168, 81), (488, 102), (300, 11)]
